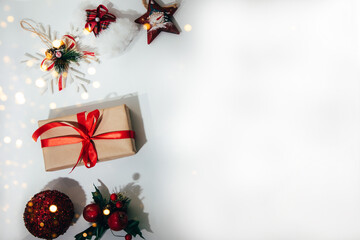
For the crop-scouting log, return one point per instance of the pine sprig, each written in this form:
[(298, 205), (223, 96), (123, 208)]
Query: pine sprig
[(72, 56), (68, 56)]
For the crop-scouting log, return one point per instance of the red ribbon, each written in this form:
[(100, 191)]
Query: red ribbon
[(86, 128), (98, 19)]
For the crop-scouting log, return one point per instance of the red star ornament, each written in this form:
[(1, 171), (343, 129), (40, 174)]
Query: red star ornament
[(158, 19)]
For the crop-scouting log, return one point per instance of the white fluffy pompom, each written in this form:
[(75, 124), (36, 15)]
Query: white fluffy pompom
[(113, 40)]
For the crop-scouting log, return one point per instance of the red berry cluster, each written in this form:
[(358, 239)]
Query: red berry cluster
[(43, 223), (114, 213)]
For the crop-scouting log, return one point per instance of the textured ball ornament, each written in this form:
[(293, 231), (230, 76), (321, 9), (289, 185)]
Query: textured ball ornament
[(92, 212), (117, 221), (44, 223), (128, 237)]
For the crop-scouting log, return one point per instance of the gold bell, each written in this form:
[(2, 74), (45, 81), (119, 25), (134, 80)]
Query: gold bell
[(49, 54)]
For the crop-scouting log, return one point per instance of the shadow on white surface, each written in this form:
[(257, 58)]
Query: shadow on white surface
[(71, 188), (136, 206), (111, 100)]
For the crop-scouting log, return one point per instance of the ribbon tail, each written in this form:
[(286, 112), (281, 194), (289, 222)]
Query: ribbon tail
[(92, 155), (81, 153), (60, 83), (89, 53)]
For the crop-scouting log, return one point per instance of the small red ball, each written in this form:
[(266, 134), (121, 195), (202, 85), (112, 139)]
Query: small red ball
[(119, 205), (113, 197), (117, 221), (128, 237), (91, 212)]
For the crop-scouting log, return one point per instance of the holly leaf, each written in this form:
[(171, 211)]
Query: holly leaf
[(100, 230), (80, 236), (133, 228), (98, 198), (91, 232)]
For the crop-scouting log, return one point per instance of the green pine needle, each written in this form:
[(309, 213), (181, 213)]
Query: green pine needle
[(68, 56)]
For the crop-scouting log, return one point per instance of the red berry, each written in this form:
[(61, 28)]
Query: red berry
[(91, 212), (119, 204), (117, 221), (113, 197), (128, 237)]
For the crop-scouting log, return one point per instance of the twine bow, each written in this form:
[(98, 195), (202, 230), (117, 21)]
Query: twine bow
[(86, 127), (98, 19)]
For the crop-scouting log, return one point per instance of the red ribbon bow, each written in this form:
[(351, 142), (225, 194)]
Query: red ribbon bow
[(86, 127), (98, 19)]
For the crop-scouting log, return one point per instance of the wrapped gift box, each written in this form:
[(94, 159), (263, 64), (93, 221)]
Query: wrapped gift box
[(110, 120)]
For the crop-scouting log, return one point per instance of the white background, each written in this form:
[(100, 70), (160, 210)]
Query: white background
[(251, 120)]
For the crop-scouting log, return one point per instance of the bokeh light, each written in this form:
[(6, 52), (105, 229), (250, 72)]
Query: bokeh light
[(187, 27), (7, 139), (106, 212), (84, 95), (29, 63), (56, 43), (40, 83), (53, 208), (18, 143), (52, 105), (86, 31), (3, 97), (91, 70), (28, 81), (96, 84), (10, 19), (20, 98), (146, 26), (6, 59)]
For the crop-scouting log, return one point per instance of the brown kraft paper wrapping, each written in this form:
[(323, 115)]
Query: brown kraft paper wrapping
[(65, 156)]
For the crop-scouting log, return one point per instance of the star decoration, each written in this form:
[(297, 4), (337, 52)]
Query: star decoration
[(158, 19)]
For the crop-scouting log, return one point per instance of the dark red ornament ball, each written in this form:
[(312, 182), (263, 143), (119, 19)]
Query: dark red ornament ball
[(119, 205), (43, 223), (113, 197), (92, 212), (118, 221), (128, 237)]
